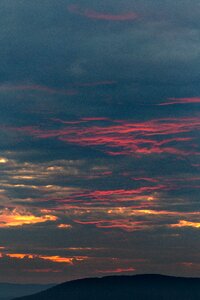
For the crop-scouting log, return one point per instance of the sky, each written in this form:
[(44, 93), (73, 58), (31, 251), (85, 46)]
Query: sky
[(99, 139)]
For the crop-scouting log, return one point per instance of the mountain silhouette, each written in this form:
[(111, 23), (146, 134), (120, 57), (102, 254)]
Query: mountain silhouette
[(138, 287)]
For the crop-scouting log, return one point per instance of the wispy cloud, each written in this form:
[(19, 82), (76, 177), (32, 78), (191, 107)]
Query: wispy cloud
[(157, 136), (35, 88), (130, 220), (92, 14), (126, 225), (171, 101), (99, 138), (117, 271), (95, 83)]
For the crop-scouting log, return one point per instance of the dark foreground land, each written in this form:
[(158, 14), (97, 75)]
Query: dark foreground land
[(139, 287)]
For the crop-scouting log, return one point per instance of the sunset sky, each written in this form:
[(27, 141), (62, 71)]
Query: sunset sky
[(99, 139)]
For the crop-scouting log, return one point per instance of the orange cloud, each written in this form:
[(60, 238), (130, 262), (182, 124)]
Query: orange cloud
[(58, 259), (68, 260), (54, 258), (15, 218), (20, 256), (183, 223), (65, 226)]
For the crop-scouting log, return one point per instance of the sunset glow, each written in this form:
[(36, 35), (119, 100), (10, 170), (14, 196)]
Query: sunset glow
[(99, 139)]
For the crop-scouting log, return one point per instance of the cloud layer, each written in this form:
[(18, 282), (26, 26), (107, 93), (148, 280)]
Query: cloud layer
[(99, 139)]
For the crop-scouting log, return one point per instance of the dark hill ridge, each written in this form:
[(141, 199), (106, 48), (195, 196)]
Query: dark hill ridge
[(138, 287)]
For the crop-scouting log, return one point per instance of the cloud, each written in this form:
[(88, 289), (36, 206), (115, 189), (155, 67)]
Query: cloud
[(117, 271), (68, 260), (35, 88), (52, 258), (3, 160), (131, 219), (126, 225), (47, 270), (184, 223), (156, 136), (117, 196), (95, 83), (15, 218), (99, 138), (192, 100), (92, 14), (64, 226)]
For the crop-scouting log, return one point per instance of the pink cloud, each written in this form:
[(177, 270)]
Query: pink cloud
[(125, 193), (123, 224), (172, 101), (91, 14), (157, 136), (95, 119), (148, 179), (117, 271), (196, 165)]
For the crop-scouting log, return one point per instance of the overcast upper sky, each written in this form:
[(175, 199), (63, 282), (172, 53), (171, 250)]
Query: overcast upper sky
[(99, 139)]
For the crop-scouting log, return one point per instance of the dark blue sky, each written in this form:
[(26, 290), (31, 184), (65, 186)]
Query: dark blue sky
[(99, 140)]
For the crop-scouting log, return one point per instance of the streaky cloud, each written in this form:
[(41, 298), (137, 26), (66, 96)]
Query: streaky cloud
[(171, 101), (35, 88), (92, 14), (95, 83), (123, 137), (117, 271)]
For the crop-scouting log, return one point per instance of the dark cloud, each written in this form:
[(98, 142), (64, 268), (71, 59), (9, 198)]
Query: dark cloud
[(99, 139)]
